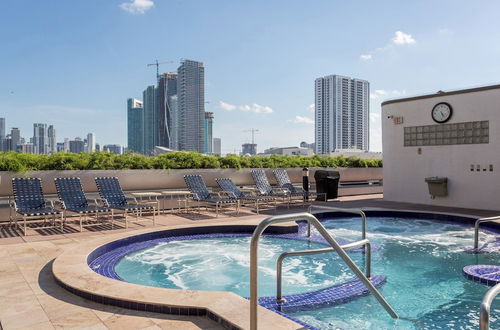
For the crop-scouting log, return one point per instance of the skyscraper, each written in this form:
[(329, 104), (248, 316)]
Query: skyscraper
[(175, 123), (2, 135), (341, 113), (209, 120), (167, 87), (15, 135), (40, 138), (191, 106), (76, 145), (91, 142), (2, 128), (217, 146), (135, 125), (51, 134), (150, 119)]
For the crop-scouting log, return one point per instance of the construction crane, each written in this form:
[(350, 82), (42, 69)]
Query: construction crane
[(253, 130), (157, 64)]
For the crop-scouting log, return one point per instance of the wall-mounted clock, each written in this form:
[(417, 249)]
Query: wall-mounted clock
[(441, 112)]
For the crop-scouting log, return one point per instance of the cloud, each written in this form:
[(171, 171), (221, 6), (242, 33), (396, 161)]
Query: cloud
[(227, 106), (311, 108), (137, 6), (302, 120), (401, 38), (386, 94), (254, 107)]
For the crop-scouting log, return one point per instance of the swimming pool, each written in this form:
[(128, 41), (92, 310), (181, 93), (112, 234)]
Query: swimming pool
[(422, 260)]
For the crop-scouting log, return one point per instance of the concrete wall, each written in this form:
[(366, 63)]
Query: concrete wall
[(173, 179), (405, 169)]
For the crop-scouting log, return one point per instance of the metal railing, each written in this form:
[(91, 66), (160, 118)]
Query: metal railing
[(338, 209), (279, 262), (476, 229), (484, 316), (254, 245)]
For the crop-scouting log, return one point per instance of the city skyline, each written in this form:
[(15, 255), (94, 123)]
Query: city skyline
[(257, 76)]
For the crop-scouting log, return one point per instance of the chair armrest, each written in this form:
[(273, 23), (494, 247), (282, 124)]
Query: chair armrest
[(281, 190), (229, 194), (49, 202), (194, 196), (100, 201)]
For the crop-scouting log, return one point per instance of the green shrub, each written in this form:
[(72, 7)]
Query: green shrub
[(19, 162)]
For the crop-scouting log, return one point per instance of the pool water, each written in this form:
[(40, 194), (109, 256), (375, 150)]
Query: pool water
[(422, 260)]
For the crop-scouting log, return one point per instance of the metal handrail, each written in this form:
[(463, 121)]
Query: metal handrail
[(279, 262), (339, 209), (484, 316), (476, 229), (254, 245)]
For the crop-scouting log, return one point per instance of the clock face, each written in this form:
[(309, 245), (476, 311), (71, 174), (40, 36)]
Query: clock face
[(441, 112)]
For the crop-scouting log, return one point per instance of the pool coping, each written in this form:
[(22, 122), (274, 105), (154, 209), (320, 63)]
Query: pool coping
[(71, 271)]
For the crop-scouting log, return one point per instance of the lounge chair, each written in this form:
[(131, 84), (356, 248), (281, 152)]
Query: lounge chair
[(229, 188), (73, 199), (112, 194), (264, 188), (285, 183), (200, 193), (30, 203)]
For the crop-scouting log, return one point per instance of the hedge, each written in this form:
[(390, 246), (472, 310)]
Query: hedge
[(21, 162)]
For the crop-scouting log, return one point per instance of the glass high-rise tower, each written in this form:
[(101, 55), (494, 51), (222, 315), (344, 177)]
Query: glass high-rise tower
[(40, 138), (167, 88), (209, 121), (342, 114), (191, 106), (135, 126), (150, 119)]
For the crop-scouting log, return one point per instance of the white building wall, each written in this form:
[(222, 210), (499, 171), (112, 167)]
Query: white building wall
[(405, 169)]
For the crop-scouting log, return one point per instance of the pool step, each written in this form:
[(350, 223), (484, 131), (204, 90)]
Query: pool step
[(334, 295), (484, 274)]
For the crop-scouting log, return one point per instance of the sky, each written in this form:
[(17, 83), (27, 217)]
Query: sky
[(74, 63)]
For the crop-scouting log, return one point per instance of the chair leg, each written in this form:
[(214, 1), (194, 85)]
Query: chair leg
[(24, 219), (62, 221), (257, 206), (216, 210), (81, 224), (154, 217)]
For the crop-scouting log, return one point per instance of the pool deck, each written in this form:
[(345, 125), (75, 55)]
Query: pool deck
[(30, 298)]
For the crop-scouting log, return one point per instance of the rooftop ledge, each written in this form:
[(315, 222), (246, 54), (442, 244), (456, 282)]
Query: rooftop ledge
[(443, 93)]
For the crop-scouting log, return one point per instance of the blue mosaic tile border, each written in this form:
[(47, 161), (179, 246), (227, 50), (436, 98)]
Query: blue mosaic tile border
[(484, 274)]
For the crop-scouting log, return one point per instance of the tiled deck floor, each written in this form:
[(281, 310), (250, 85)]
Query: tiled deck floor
[(30, 299)]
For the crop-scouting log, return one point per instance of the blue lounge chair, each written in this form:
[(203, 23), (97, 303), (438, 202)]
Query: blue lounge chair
[(200, 193), (285, 183), (73, 199), (30, 203), (265, 189), (112, 194), (229, 188)]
